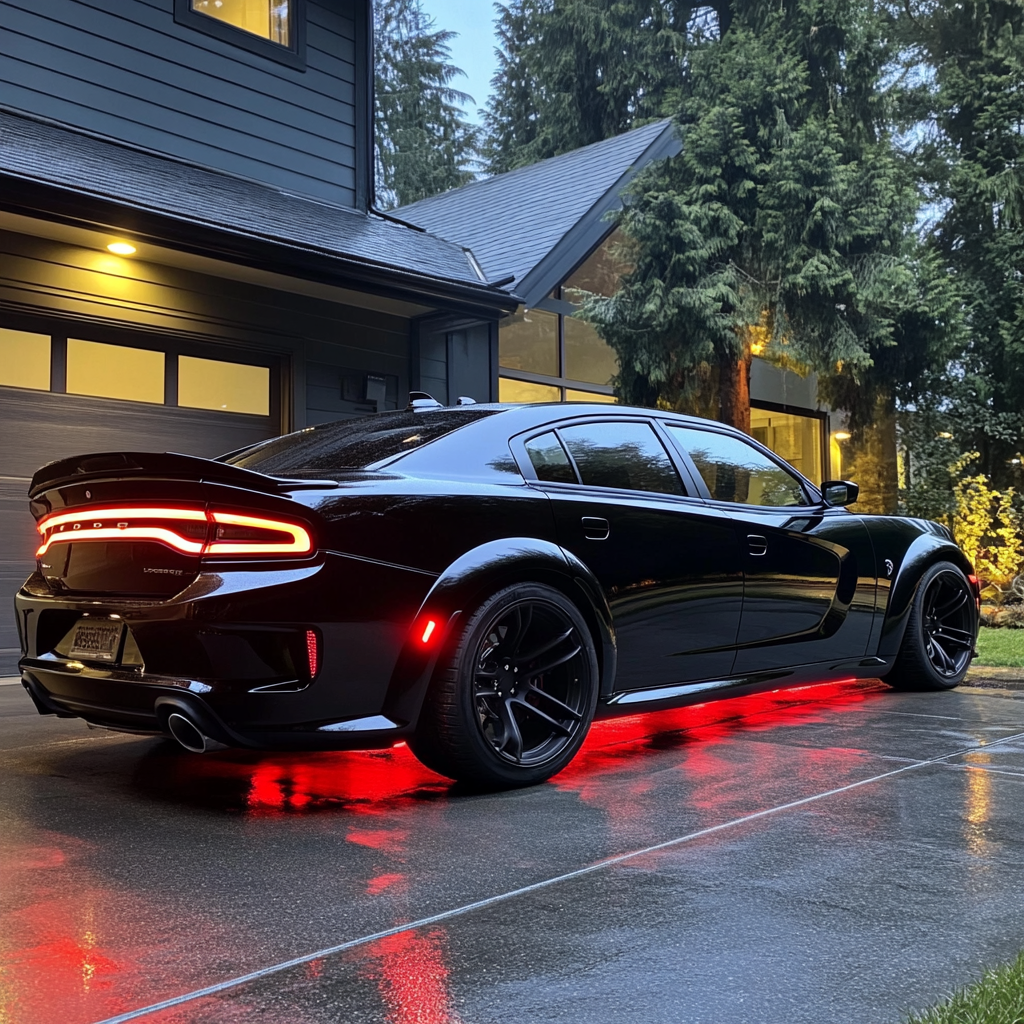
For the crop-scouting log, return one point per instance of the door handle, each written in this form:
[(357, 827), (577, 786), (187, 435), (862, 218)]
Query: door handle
[(757, 544), (595, 528)]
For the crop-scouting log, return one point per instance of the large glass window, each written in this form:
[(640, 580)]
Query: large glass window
[(513, 391), (622, 455), (600, 272), (797, 439), (736, 471), (529, 341), (24, 360), (572, 395), (229, 387), (115, 371), (268, 19), (588, 357)]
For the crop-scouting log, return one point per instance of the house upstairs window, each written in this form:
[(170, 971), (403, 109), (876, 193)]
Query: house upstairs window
[(268, 19)]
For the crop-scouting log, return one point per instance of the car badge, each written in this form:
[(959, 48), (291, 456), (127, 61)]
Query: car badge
[(888, 567)]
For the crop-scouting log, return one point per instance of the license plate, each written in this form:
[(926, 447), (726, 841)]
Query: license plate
[(96, 641)]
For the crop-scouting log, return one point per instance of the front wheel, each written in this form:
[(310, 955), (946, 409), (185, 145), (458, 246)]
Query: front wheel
[(513, 703), (940, 634)]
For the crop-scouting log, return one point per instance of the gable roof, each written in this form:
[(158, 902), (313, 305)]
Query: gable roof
[(60, 169), (537, 223)]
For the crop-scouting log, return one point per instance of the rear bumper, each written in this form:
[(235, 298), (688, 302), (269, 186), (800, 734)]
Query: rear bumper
[(223, 653)]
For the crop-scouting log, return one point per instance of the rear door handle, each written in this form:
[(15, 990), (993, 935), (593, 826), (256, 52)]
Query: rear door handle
[(757, 544), (595, 528)]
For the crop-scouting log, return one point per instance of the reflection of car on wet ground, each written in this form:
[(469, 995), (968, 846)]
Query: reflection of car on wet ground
[(479, 581)]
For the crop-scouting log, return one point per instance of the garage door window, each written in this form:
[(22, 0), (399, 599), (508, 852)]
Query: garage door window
[(24, 360), (115, 371), (226, 387)]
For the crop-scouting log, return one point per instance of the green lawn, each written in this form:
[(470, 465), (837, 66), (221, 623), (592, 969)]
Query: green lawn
[(1003, 647), (997, 999)]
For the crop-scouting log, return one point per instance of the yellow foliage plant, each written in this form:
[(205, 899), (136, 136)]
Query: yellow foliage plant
[(987, 527)]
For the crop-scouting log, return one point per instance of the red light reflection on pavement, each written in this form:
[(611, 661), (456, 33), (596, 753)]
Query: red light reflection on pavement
[(720, 778), (66, 956), (411, 972)]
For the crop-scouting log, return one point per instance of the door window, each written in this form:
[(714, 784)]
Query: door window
[(549, 460), (623, 455), (736, 471)]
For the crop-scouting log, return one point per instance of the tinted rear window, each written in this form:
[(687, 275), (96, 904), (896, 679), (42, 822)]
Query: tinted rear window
[(352, 444)]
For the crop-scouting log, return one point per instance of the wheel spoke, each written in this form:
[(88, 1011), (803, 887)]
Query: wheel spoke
[(514, 638), (956, 637), (524, 660), (563, 730), (512, 738), (942, 661), (561, 707), (954, 604), (552, 662)]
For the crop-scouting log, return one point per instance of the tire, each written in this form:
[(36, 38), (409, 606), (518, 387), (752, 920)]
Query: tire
[(491, 719), (941, 631)]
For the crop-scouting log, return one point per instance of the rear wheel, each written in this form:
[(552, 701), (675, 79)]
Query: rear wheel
[(513, 703), (940, 634)]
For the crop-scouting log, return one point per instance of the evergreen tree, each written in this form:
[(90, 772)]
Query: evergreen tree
[(782, 226), (573, 72), (973, 159), (424, 145)]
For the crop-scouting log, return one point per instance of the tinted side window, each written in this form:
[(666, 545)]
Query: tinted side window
[(624, 455), (549, 460), (736, 471)]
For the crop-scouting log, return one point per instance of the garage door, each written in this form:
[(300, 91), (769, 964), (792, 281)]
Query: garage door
[(62, 396)]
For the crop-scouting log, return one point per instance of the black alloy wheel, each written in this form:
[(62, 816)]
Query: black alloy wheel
[(517, 698), (939, 640)]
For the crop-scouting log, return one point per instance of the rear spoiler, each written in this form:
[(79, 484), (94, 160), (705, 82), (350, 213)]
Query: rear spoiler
[(105, 466)]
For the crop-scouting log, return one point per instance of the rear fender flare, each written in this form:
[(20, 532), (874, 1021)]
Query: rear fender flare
[(468, 581), (924, 552)]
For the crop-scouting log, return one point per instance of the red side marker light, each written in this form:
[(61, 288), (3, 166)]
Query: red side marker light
[(976, 587), (313, 652), (428, 631)]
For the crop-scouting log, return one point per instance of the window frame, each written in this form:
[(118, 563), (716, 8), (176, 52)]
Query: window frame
[(518, 444), (293, 55), (811, 492)]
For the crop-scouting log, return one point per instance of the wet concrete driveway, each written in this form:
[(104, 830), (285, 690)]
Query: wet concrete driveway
[(838, 853)]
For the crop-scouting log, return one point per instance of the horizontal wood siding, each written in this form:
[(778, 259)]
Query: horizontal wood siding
[(130, 72)]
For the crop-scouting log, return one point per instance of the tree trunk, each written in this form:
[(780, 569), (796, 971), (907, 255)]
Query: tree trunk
[(735, 390)]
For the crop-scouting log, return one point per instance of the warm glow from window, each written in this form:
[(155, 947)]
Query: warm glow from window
[(115, 371), (121, 248), (265, 18), (226, 387), (523, 391), (797, 439), (24, 360), (588, 396)]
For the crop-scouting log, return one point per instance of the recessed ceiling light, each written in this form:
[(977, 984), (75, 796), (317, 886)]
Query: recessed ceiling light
[(121, 248)]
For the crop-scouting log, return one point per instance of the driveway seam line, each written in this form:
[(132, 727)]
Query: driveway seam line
[(489, 901)]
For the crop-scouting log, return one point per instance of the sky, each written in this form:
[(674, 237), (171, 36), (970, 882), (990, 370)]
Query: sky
[(473, 50)]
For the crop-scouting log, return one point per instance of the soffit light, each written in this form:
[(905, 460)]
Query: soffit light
[(121, 248)]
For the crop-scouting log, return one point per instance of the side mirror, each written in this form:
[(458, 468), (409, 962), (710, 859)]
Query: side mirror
[(839, 492)]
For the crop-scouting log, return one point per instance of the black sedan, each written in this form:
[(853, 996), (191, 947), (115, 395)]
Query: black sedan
[(479, 581)]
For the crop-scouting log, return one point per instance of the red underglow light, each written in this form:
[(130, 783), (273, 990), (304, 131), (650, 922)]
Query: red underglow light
[(313, 652), (428, 631), (227, 533)]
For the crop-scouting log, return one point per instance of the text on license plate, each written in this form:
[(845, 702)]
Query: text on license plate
[(96, 640)]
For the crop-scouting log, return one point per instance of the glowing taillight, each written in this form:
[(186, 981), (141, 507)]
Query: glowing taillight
[(313, 652), (191, 531)]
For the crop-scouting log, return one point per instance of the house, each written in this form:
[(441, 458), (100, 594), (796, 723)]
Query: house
[(189, 255), (547, 226)]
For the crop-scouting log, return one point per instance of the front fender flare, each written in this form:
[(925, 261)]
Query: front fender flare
[(469, 580), (925, 551)]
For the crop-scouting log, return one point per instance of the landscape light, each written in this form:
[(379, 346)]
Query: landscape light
[(842, 435)]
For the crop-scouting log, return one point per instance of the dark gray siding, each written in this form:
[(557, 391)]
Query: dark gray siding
[(130, 72), (58, 288)]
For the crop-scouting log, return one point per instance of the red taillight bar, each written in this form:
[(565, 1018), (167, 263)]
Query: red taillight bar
[(122, 524)]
